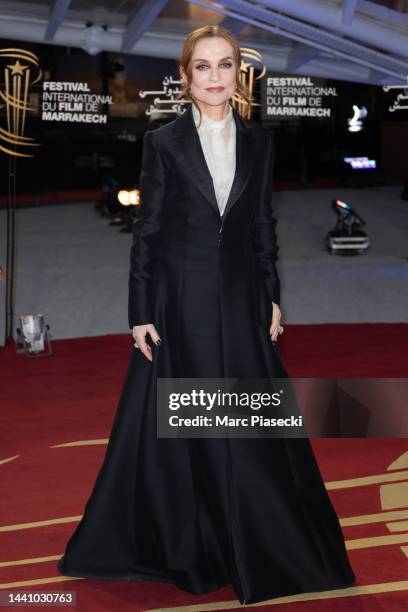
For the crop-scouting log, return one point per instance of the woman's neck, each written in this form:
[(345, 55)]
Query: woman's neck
[(217, 113)]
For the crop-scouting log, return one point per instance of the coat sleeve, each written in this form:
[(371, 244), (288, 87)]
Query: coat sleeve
[(146, 232), (265, 241)]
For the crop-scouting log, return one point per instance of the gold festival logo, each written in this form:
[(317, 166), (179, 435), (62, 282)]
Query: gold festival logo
[(247, 78), (20, 73)]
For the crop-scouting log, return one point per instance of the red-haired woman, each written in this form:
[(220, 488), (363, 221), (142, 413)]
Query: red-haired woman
[(204, 297)]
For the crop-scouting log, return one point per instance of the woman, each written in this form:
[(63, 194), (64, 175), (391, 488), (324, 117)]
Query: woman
[(204, 302)]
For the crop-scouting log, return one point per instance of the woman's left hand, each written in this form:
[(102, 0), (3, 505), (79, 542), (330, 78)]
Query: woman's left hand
[(275, 328)]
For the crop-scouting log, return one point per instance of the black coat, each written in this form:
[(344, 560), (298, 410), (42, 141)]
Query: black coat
[(202, 513), (206, 281)]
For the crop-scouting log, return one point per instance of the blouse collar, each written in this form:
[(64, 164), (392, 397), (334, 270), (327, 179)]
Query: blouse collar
[(210, 123)]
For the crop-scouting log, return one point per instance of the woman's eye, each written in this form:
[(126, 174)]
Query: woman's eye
[(225, 64)]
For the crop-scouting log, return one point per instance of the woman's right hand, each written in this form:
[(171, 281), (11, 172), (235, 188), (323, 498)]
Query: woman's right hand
[(139, 335)]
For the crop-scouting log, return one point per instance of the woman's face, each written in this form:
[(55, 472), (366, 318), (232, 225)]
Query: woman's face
[(213, 71)]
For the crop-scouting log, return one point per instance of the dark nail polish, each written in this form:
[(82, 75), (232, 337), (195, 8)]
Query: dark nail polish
[(158, 342)]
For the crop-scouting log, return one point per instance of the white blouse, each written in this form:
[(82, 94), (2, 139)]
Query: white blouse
[(219, 147)]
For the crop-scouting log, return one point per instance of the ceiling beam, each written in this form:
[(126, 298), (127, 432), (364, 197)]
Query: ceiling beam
[(56, 18), (164, 44), (378, 78), (300, 55), (141, 22), (348, 10), (233, 25), (307, 34), (364, 29)]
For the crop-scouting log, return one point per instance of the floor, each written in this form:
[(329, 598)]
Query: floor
[(73, 267)]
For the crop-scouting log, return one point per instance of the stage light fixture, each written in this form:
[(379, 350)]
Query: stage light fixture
[(33, 337), (91, 38), (129, 197), (347, 237)]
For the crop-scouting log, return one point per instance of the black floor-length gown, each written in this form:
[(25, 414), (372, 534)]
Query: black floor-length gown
[(202, 513)]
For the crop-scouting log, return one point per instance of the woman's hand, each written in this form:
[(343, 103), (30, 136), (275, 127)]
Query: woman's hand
[(139, 334), (275, 328)]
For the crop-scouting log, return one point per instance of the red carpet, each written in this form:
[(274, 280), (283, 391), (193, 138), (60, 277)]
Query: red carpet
[(71, 396)]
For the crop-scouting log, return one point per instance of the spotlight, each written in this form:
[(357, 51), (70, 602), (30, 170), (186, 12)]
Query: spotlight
[(347, 237), (129, 198), (32, 336), (92, 37), (125, 202)]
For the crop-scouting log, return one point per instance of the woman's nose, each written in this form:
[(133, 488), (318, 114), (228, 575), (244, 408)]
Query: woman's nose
[(214, 76)]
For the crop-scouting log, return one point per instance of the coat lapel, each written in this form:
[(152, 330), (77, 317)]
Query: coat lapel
[(194, 160)]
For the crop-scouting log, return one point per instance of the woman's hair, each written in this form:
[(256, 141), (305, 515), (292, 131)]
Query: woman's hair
[(187, 53)]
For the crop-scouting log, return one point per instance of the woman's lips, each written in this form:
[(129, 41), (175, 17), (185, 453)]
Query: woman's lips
[(215, 89)]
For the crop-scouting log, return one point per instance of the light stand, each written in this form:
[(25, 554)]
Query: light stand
[(10, 248)]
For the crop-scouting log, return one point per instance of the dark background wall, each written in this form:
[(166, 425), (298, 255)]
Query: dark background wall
[(310, 151)]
